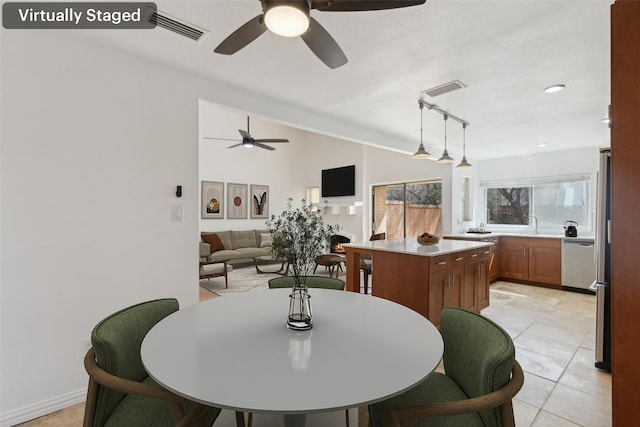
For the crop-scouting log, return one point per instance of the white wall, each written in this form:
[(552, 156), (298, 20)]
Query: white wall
[(325, 152), (91, 154)]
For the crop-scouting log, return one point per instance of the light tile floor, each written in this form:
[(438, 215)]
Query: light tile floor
[(554, 336)]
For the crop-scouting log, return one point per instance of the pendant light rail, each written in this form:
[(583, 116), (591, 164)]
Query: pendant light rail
[(444, 113)]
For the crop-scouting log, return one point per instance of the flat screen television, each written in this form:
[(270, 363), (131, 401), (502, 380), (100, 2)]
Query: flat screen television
[(339, 181)]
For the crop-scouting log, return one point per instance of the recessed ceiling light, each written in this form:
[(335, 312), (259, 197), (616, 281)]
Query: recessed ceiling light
[(554, 88), (606, 120), (542, 144)]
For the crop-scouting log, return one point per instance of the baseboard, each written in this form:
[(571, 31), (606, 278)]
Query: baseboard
[(42, 408)]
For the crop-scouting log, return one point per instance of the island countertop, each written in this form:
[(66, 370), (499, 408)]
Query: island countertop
[(410, 246)]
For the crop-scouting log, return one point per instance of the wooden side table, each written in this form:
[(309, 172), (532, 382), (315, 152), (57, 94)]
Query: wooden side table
[(331, 261)]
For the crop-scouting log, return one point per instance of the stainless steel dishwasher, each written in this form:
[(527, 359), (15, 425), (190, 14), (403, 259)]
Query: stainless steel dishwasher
[(578, 264)]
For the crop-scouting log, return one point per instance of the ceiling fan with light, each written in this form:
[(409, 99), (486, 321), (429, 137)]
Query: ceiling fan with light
[(292, 18), (248, 141)]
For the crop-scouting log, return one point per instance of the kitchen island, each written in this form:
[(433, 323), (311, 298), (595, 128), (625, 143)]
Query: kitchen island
[(451, 273)]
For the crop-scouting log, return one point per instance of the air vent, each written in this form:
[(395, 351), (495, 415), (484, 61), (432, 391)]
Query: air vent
[(177, 27), (445, 88)]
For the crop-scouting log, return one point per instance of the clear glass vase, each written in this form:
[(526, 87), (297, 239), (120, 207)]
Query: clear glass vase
[(300, 317)]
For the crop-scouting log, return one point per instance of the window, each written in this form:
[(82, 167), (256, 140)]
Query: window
[(508, 205), (551, 200), (313, 195), (407, 209)]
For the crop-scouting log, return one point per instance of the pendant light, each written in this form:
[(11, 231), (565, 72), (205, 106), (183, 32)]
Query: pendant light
[(421, 153), (464, 164), (445, 156)]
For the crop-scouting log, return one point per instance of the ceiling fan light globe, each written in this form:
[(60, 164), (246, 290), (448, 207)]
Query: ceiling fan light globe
[(287, 20), (247, 144)]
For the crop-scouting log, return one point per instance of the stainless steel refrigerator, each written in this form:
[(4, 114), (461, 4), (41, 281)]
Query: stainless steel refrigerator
[(602, 284)]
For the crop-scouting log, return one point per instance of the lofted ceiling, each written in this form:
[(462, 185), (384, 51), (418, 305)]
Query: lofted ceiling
[(505, 51)]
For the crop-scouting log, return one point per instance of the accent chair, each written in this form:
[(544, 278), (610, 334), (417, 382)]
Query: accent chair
[(120, 391), (481, 377)]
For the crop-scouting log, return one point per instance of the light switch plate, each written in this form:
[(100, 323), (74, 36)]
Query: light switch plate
[(177, 212)]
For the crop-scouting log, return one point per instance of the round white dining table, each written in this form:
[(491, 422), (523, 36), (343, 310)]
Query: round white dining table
[(236, 352)]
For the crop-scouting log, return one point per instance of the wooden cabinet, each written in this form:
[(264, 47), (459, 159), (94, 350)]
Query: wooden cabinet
[(494, 263), (625, 198), (515, 260), (425, 283), (459, 280), (484, 276), (469, 282), (443, 292), (531, 259), (495, 258)]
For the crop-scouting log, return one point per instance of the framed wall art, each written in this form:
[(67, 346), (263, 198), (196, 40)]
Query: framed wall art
[(237, 206), (259, 201), (212, 200)]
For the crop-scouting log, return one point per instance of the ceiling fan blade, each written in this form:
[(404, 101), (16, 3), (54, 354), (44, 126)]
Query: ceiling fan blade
[(242, 36), (244, 133), (362, 5), (271, 140), (323, 45), (234, 146), (219, 139), (266, 147)]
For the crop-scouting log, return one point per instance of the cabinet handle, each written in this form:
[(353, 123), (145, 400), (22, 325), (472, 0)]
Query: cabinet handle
[(442, 262), (524, 251), (474, 255), (459, 259)]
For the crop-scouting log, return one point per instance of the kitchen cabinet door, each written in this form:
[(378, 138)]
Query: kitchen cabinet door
[(463, 273), (495, 266), (515, 260), (545, 261), (443, 292), (482, 282)]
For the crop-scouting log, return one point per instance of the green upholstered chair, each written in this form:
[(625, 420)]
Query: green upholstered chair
[(481, 377), (120, 392), (312, 282)]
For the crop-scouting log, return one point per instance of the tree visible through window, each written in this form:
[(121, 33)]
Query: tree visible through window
[(552, 203), (508, 205)]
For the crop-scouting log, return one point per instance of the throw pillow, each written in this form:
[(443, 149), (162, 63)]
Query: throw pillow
[(265, 240), (214, 241)]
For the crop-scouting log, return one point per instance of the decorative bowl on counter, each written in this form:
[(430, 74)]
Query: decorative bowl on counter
[(432, 240)]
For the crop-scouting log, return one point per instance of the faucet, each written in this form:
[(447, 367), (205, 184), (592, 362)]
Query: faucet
[(534, 222)]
